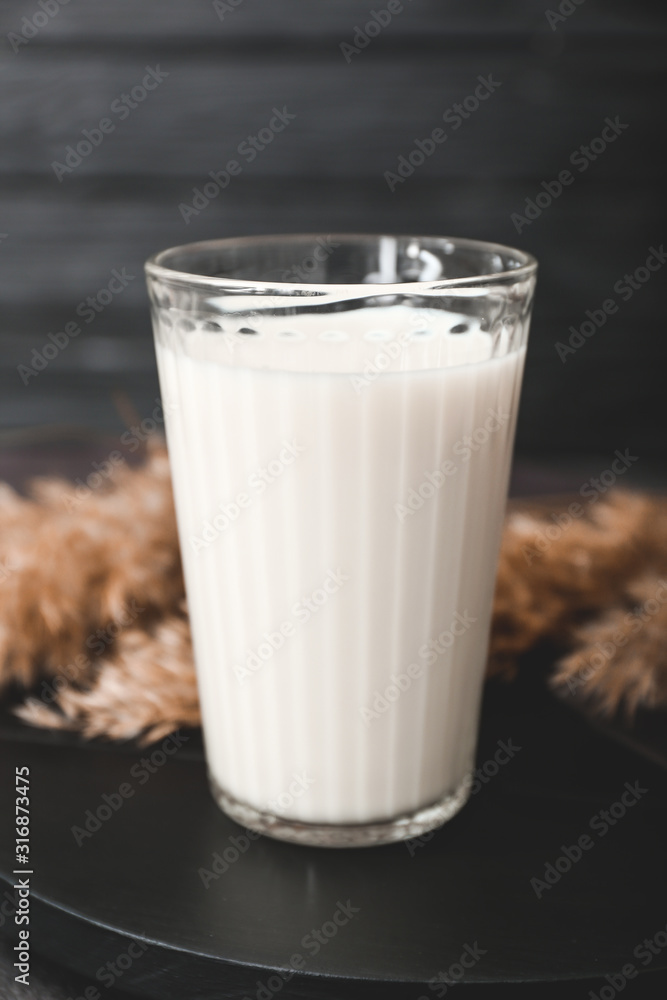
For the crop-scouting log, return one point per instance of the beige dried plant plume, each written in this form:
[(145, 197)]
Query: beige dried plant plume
[(93, 622)]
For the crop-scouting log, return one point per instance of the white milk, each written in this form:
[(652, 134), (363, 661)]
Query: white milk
[(340, 537)]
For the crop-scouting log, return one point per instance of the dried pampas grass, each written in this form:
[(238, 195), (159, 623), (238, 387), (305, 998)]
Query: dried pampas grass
[(93, 621)]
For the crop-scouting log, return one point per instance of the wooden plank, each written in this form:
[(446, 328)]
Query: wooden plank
[(351, 121), (593, 408), (120, 343), (62, 243), (70, 399), (163, 20)]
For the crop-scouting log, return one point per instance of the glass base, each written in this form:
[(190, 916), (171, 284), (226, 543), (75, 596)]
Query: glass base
[(403, 827)]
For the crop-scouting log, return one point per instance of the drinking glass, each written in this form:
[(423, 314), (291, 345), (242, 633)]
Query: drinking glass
[(340, 414)]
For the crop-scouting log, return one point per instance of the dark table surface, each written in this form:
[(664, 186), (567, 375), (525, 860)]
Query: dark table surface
[(146, 884)]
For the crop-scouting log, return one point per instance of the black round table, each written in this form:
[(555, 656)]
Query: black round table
[(162, 895)]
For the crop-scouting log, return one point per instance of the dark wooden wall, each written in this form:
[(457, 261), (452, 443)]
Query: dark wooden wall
[(62, 238)]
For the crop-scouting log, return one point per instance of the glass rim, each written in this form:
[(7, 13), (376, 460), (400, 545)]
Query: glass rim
[(157, 267)]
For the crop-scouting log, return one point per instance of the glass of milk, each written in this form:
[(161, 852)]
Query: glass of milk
[(340, 414)]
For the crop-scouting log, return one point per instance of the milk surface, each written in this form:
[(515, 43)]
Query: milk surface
[(340, 532)]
